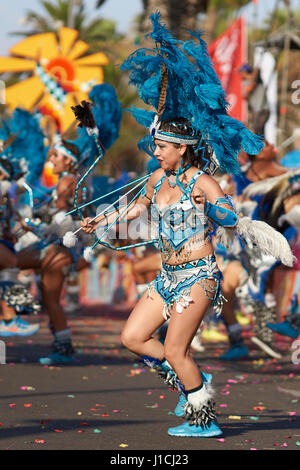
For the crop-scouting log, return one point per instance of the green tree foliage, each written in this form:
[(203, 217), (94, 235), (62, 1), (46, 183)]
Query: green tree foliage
[(57, 14)]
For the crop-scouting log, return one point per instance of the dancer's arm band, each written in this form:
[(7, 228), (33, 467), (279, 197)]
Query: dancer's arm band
[(220, 215)]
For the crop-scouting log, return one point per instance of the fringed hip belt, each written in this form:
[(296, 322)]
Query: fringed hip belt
[(174, 284)]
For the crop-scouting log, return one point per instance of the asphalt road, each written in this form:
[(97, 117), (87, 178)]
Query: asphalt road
[(109, 401)]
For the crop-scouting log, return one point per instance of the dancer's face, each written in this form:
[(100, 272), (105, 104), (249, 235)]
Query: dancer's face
[(60, 162), (269, 152), (168, 155)]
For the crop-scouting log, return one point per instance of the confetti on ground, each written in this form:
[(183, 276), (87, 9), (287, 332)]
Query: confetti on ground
[(123, 445), (234, 417)]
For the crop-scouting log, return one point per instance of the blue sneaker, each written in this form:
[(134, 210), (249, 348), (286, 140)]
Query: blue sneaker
[(179, 410), (284, 328), (55, 359), (18, 327), (186, 430), (235, 353)]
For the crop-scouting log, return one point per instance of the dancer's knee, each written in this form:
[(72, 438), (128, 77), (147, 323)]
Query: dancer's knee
[(129, 340)]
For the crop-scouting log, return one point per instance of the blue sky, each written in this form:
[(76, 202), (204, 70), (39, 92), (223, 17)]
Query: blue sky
[(122, 11)]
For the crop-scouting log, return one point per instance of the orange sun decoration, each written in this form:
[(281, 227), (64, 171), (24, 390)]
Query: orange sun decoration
[(62, 75)]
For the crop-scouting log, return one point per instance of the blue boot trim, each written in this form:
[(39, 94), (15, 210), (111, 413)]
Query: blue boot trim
[(179, 410)]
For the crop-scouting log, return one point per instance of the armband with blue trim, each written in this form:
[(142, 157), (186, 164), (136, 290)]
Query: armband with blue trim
[(220, 215)]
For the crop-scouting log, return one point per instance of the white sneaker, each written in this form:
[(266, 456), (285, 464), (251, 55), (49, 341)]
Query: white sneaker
[(196, 344)]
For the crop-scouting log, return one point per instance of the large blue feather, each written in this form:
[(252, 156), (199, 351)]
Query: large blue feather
[(194, 91)]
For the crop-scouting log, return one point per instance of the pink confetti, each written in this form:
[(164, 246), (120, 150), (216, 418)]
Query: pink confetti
[(12, 405), (223, 405), (221, 440)]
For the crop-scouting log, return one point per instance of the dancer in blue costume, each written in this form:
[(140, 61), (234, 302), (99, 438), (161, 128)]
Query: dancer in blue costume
[(50, 255), (190, 135), (259, 168), (20, 135)]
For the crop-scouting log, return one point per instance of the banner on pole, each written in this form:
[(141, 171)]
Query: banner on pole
[(228, 52)]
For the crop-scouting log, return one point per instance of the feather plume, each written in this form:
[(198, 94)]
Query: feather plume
[(266, 238), (184, 72), (83, 114)]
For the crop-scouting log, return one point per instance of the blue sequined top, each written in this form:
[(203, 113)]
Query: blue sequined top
[(180, 222)]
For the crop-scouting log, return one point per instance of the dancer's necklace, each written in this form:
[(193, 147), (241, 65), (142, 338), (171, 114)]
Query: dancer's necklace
[(173, 176)]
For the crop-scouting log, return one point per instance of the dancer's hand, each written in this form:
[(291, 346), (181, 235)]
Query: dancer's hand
[(88, 225), (199, 197)]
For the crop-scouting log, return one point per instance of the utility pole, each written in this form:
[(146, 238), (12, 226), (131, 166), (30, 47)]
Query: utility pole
[(285, 73), (71, 12)]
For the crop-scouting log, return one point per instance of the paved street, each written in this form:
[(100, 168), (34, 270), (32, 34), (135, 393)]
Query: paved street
[(107, 400)]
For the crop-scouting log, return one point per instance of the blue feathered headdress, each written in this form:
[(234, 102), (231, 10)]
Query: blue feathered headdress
[(107, 113), (193, 92), (26, 151)]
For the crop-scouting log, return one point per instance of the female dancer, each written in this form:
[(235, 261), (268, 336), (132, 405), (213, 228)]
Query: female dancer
[(15, 299), (190, 128), (189, 280), (52, 258)]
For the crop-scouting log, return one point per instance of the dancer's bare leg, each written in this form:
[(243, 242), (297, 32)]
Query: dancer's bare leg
[(231, 281), (148, 265), (181, 330), (143, 321), (53, 276)]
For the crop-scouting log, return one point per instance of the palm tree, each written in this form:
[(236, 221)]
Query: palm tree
[(181, 16), (70, 13)]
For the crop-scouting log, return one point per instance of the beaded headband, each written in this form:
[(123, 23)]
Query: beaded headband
[(66, 152), (175, 138)]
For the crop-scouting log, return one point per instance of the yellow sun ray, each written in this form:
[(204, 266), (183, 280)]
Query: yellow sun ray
[(67, 37), (79, 48), (42, 46), (25, 94), (94, 59), (85, 74), (64, 79), (10, 64)]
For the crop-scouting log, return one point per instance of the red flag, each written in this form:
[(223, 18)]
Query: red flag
[(228, 53)]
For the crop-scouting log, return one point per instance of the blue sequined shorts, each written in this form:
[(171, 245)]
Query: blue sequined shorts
[(174, 284)]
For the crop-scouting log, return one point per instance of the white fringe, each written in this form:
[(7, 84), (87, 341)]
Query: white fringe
[(69, 240), (201, 397)]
